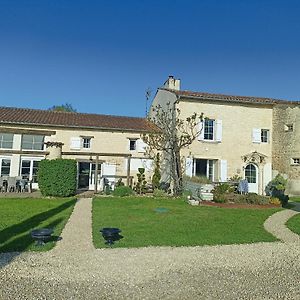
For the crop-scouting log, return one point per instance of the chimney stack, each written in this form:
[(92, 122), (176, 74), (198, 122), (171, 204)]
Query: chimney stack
[(172, 83)]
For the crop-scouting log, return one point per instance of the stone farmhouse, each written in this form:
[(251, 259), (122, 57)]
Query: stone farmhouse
[(252, 137), (109, 146)]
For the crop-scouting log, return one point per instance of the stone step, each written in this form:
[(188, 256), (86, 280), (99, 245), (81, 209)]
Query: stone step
[(206, 196)]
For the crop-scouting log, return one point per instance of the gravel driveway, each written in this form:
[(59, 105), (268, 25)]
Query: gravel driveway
[(255, 271)]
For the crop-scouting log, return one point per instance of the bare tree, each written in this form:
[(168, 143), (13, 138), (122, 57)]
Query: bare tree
[(175, 134)]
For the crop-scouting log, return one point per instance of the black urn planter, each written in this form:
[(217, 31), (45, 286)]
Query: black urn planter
[(41, 236), (111, 235)]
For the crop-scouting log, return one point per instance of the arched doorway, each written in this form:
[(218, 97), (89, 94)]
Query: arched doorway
[(251, 174)]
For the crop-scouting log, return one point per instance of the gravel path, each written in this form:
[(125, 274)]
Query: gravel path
[(275, 224), (77, 234), (253, 271)]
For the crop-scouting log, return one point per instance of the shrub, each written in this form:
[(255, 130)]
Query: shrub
[(140, 186), (220, 192), (235, 178), (197, 179), (275, 201), (119, 183), (157, 193), (253, 198), (57, 177), (122, 191), (276, 188)]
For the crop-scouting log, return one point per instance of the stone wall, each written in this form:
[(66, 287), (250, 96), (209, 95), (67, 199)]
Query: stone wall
[(286, 144)]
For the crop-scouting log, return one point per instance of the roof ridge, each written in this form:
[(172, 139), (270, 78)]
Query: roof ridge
[(275, 100), (69, 112)]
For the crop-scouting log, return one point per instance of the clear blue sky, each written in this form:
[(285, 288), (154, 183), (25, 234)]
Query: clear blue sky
[(101, 56)]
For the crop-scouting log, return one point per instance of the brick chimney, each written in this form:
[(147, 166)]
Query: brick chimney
[(172, 83)]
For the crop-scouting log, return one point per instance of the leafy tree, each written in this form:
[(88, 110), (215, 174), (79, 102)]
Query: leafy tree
[(64, 107), (174, 135)]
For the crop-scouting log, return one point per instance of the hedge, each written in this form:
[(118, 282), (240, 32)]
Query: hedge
[(57, 177)]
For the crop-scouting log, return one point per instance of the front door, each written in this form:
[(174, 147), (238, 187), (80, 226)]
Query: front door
[(92, 176), (83, 175), (251, 174)]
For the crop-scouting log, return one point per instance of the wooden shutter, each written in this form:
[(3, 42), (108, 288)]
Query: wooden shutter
[(75, 143), (256, 135), (201, 130), (218, 126), (223, 170), (141, 145), (189, 166)]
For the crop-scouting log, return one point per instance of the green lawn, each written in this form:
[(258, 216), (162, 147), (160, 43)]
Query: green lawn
[(181, 225), (294, 224), (294, 199), (19, 216)]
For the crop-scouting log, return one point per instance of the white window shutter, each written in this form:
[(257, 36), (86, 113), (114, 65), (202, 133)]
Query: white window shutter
[(141, 145), (75, 143), (256, 135), (189, 166), (218, 124), (201, 130), (223, 170)]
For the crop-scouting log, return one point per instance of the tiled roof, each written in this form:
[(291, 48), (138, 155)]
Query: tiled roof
[(230, 98), (24, 116)]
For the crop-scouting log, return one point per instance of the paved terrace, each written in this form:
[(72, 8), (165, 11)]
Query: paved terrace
[(75, 270)]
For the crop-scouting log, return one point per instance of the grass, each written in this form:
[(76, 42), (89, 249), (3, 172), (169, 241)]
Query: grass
[(19, 216), (181, 225), (294, 224), (294, 199)]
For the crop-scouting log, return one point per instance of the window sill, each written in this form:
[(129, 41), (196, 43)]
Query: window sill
[(211, 141)]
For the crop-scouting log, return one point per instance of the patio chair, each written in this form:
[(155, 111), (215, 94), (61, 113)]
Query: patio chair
[(11, 184), (2, 184), (23, 184)]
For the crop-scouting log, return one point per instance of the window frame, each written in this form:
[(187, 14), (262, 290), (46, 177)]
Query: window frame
[(210, 128), (1, 162), (32, 160), (2, 134), (289, 127), (295, 161), (134, 141), (86, 141), (265, 138), (33, 143)]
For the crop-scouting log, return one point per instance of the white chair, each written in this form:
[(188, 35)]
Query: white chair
[(11, 184)]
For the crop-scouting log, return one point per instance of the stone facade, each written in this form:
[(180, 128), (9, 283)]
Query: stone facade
[(249, 136), (286, 145), (110, 148)]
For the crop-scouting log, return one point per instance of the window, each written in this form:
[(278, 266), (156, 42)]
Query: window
[(132, 145), (209, 129), (5, 166), (6, 140), (264, 135), (250, 173), (288, 127), (86, 143), (296, 161), (29, 169), (32, 142)]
